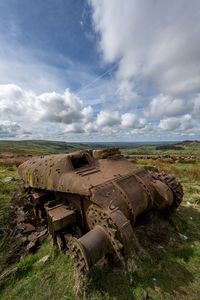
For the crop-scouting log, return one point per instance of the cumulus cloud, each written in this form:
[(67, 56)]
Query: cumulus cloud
[(59, 115), (8, 129), (47, 107), (156, 42), (108, 118), (73, 128), (181, 124), (91, 127), (13, 100), (164, 105), (130, 121), (155, 45), (127, 94), (196, 102), (66, 108)]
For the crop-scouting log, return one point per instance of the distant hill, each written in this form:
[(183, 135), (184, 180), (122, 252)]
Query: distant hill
[(39, 147), (189, 143)]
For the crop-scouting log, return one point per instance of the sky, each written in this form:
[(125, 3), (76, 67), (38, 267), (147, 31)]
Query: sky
[(100, 70)]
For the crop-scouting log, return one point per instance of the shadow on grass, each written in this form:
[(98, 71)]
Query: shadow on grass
[(160, 262)]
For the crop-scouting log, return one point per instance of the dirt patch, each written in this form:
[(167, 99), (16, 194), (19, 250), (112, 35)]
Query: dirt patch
[(13, 161)]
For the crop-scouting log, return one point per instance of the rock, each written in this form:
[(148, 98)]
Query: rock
[(38, 235), (184, 237), (36, 240), (8, 179), (7, 273), (42, 260), (28, 228), (31, 246), (22, 257), (145, 295)]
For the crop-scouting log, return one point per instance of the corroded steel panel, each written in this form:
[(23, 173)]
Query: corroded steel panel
[(61, 216), (57, 173)]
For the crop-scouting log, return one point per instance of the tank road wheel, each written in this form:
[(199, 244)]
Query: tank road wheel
[(90, 248), (174, 185), (109, 233)]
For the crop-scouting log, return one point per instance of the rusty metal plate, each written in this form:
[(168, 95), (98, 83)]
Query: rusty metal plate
[(61, 216)]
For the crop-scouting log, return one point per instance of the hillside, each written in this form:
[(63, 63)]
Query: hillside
[(38, 147), (190, 148), (189, 143)]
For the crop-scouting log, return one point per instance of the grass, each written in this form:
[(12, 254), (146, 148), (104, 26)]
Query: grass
[(6, 210), (162, 262), (151, 150), (36, 147), (10, 162), (51, 280)]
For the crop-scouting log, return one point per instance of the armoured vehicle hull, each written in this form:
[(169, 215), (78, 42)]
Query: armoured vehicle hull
[(91, 200)]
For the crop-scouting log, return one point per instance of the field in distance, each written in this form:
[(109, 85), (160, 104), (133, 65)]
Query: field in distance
[(10, 148)]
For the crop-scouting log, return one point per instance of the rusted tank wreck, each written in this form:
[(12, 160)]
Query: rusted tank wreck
[(92, 198)]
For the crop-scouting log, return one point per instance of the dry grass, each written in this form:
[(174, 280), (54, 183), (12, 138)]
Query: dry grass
[(15, 161), (193, 173), (165, 161), (187, 161)]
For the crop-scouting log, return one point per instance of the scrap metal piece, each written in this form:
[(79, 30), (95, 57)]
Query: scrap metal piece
[(60, 216), (28, 228)]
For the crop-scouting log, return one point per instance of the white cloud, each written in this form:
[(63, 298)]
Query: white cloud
[(73, 128), (91, 127), (8, 129), (130, 121), (196, 102), (166, 106), (62, 108), (108, 118), (64, 116), (170, 124), (48, 107), (181, 124), (156, 42), (12, 100), (128, 97)]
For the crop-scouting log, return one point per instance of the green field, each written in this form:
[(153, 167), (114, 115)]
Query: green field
[(151, 150), (165, 260), (38, 147)]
